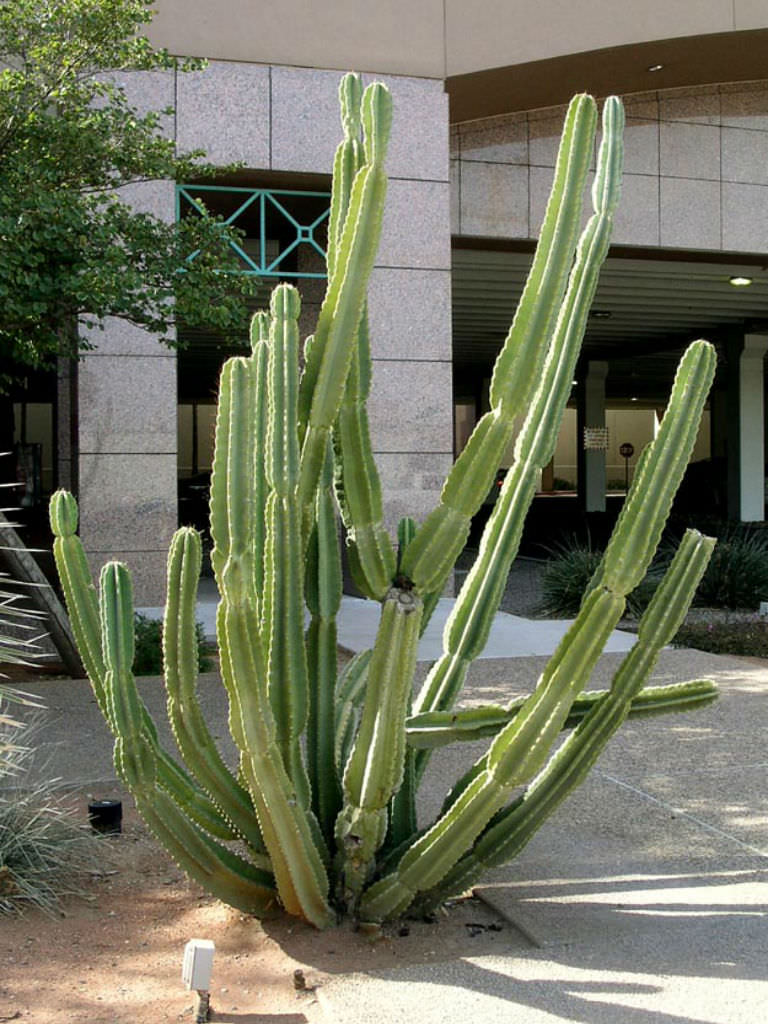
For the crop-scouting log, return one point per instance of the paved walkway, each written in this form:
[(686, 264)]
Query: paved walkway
[(511, 636), (641, 901)]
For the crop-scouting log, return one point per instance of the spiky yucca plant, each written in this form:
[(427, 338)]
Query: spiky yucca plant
[(323, 797)]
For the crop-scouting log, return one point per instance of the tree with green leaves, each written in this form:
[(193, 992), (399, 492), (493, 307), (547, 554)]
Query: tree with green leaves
[(73, 250)]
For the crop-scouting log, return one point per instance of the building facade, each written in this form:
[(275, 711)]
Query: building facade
[(479, 93)]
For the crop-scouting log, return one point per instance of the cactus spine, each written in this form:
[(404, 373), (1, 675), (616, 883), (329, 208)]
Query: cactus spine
[(321, 803)]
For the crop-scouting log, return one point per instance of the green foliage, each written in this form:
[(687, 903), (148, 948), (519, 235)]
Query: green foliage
[(148, 659), (44, 851), (565, 578), (737, 575), (20, 633), (322, 804), (71, 136), (567, 574)]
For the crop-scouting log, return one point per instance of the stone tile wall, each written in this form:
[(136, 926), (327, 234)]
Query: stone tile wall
[(696, 170), (283, 120)]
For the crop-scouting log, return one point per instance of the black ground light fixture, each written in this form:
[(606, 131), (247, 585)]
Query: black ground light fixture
[(106, 816)]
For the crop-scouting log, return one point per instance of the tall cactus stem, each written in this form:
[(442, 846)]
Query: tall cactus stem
[(283, 615), (376, 765), (323, 595), (336, 330), (519, 365), (260, 355), (467, 629), (190, 730)]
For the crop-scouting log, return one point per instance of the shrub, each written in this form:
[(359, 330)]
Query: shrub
[(568, 572), (148, 660), (565, 578), (44, 851), (737, 575)]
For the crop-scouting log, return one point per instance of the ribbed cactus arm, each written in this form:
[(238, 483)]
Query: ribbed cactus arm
[(323, 595), (222, 872), (358, 489), (193, 737), (375, 767), (336, 331), (350, 692), (510, 830), (519, 364), (642, 518), (79, 592), (347, 162), (288, 833), (371, 555), (83, 607), (227, 875), (232, 475), (439, 728), (283, 611), (260, 488), (467, 629)]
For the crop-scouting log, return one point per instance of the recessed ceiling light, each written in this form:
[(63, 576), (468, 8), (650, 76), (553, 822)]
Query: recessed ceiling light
[(633, 399), (655, 67), (739, 282)]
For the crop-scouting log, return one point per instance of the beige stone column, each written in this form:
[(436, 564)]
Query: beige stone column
[(127, 455), (127, 413)]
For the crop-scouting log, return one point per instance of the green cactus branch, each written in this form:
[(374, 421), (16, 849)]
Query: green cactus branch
[(467, 629), (515, 826), (439, 728), (318, 815), (190, 730), (432, 553), (323, 596)]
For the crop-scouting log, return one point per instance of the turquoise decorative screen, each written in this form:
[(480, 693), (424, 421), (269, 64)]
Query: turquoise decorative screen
[(270, 219)]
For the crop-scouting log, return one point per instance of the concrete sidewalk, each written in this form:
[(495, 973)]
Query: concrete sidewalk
[(642, 899), (511, 636)]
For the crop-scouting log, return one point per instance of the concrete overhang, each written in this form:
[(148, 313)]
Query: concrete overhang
[(685, 62)]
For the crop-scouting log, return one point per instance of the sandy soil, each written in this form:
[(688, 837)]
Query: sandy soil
[(115, 955)]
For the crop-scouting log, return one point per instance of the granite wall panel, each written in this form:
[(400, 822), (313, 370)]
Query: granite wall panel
[(694, 160), (225, 110)]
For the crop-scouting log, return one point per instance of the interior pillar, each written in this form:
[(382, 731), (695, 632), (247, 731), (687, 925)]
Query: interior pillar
[(591, 415), (752, 429)]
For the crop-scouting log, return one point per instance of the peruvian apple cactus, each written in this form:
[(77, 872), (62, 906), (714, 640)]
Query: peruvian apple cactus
[(318, 816)]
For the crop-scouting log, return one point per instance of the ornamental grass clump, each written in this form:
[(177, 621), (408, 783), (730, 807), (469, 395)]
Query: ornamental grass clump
[(46, 854), (319, 814), (737, 575)]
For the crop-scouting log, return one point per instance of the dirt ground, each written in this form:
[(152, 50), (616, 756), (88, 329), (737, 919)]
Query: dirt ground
[(115, 955)]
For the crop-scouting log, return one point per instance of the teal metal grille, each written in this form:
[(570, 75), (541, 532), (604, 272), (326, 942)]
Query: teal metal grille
[(263, 204)]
